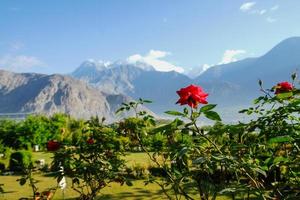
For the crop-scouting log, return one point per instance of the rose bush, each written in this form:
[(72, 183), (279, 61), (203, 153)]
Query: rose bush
[(94, 162), (258, 159)]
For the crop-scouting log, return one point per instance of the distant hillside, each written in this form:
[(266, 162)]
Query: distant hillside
[(136, 81), (48, 94), (275, 66)]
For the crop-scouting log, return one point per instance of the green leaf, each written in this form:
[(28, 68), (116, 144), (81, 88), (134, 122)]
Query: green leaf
[(207, 107), (243, 111), (228, 190), (280, 159), (120, 110), (74, 181), (260, 171), (185, 111), (195, 115), (174, 113), (147, 101), (256, 101), (281, 139), (129, 183), (212, 115), (295, 102), (183, 151), (284, 95), (22, 181), (199, 160)]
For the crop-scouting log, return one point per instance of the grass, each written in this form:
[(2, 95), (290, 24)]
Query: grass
[(139, 191), (114, 191)]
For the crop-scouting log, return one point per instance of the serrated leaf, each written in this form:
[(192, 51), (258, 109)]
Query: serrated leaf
[(207, 107), (212, 115), (174, 113)]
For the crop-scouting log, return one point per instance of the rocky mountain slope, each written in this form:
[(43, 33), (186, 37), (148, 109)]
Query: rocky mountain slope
[(48, 94)]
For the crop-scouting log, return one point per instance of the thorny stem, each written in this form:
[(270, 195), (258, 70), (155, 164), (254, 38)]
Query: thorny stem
[(158, 164), (202, 134)]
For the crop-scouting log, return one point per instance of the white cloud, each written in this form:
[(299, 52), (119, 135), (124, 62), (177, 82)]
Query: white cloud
[(19, 62), (263, 11), (155, 59), (274, 8), (258, 12), (228, 57), (247, 6), (231, 56), (271, 19)]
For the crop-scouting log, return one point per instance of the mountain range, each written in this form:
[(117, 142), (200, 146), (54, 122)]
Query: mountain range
[(231, 85), (49, 94), (101, 86)]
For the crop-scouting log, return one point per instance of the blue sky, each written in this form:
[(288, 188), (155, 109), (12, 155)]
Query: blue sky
[(55, 36)]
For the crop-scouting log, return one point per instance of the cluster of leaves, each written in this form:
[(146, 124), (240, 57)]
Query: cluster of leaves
[(94, 162)]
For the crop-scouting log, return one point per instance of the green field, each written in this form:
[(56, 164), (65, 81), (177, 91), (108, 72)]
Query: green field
[(138, 191)]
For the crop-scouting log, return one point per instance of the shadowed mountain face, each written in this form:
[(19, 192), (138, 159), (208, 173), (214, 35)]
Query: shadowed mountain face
[(137, 81), (49, 94), (275, 66)]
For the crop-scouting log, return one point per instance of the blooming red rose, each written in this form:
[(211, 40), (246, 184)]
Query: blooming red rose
[(283, 87), (53, 145), (90, 141), (192, 95)]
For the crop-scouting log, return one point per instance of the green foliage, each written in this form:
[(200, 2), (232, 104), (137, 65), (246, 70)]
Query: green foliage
[(19, 160), (94, 162), (257, 159)]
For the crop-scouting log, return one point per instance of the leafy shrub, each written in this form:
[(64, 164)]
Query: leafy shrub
[(20, 160), (94, 162)]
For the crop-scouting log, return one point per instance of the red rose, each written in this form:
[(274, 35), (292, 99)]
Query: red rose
[(53, 145), (283, 87), (90, 141), (192, 95)]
